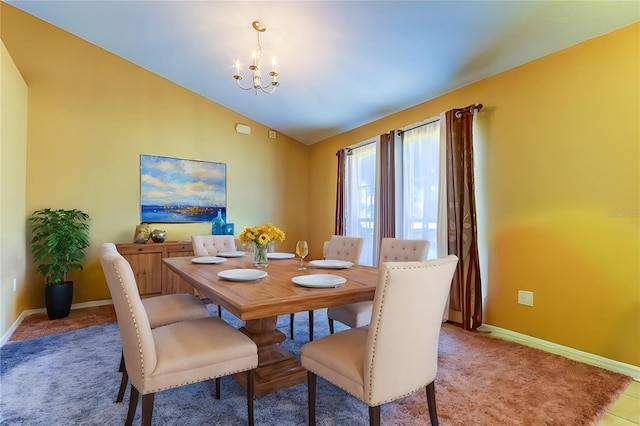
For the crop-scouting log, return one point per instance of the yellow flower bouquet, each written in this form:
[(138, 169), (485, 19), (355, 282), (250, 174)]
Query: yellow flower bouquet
[(260, 236)]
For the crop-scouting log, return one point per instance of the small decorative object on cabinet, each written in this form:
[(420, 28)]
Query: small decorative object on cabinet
[(158, 236), (152, 276), (142, 234), (218, 224)]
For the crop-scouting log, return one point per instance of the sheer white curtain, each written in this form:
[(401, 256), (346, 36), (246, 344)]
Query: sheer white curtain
[(442, 236), (360, 197), (420, 185)]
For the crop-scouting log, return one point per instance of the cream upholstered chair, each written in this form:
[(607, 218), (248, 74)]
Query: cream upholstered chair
[(391, 250), (210, 245), (172, 355), (398, 353), (337, 248), (164, 310), (344, 248)]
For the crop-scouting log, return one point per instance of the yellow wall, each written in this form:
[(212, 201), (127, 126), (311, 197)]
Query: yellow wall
[(559, 142), (13, 166), (91, 114)]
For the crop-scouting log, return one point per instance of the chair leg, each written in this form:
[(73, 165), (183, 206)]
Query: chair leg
[(310, 326), (431, 402), (219, 310), (250, 394), (133, 404), (291, 316), (147, 408), (311, 391), (217, 387), (374, 416), (331, 325), (121, 367), (123, 383)]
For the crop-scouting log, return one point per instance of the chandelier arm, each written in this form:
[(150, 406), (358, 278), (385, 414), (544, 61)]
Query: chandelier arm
[(240, 86), (267, 91)]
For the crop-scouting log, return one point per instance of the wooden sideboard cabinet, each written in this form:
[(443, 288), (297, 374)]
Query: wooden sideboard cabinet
[(152, 275)]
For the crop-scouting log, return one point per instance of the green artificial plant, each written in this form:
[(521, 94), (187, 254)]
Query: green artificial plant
[(58, 243)]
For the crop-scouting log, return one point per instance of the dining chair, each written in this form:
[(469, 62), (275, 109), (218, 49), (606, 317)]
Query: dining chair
[(391, 250), (398, 353), (173, 355), (338, 247), (165, 310), (211, 245)]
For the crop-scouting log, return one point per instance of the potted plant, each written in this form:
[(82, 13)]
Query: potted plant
[(58, 243)]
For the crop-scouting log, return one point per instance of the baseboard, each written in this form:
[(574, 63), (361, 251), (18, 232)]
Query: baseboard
[(565, 351), (24, 314)]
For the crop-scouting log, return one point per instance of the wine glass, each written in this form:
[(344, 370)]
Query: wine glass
[(302, 250)]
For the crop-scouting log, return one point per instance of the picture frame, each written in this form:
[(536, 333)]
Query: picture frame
[(177, 190)]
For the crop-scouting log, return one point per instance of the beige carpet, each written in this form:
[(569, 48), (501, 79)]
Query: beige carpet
[(487, 381)]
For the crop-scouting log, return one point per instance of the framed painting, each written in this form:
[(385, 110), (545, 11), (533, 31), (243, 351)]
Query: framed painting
[(175, 190)]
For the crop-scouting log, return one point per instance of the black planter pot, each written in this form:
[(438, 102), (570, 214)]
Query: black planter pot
[(57, 299)]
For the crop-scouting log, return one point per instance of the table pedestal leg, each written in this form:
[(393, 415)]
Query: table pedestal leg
[(277, 369)]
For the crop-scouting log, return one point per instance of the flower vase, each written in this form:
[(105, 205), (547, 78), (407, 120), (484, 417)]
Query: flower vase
[(260, 256)]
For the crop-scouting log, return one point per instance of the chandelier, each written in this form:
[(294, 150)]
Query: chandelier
[(255, 66)]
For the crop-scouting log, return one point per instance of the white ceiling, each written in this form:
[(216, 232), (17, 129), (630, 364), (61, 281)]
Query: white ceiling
[(341, 64)]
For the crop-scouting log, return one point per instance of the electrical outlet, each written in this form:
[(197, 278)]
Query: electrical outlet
[(525, 298), (15, 284)]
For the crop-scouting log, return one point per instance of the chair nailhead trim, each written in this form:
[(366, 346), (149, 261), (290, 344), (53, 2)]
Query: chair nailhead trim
[(135, 323)]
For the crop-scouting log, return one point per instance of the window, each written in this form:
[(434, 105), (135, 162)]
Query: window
[(360, 197), (418, 218), (417, 180)]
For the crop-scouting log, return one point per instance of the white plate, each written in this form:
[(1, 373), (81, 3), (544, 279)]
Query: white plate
[(331, 264), (319, 280), (208, 259), (231, 253), (242, 274), (280, 255)]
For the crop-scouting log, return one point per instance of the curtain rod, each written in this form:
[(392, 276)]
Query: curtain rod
[(462, 111), (458, 115), (426, 123), (349, 149)]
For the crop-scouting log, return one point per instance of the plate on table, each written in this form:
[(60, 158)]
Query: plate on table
[(280, 255), (242, 274), (331, 264), (231, 254), (208, 259), (319, 280)]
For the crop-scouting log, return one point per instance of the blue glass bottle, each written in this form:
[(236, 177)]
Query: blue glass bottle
[(218, 225)]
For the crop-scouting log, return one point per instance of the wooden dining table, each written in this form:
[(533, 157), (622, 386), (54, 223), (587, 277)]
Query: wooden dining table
[(259, 303)]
